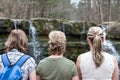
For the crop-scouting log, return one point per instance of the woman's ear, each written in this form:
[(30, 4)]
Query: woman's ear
[(103, 39)]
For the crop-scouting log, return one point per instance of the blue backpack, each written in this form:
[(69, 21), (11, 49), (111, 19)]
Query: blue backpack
[(12, 72)]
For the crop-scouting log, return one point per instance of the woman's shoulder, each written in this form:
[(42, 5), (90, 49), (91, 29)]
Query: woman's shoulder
[(30, 62), (113, 57), (31, 59), (44, 61), (108, 55), (86, 54), (67, 60), (59, 59)]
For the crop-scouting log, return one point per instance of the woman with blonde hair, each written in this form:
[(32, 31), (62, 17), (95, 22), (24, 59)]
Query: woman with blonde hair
[(56, 67), (16, 47), (96, 64)]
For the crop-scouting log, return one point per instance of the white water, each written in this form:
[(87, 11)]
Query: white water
[(16, 21), (63, 26), (34, 41), (82, 37), (83, 31), (108, 45)]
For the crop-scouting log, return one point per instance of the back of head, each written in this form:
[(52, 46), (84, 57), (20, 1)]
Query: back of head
[(17, 39), (57, 42), (95, 35)]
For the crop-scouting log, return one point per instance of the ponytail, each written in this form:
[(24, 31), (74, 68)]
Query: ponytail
[(95, 35), (97, 51)]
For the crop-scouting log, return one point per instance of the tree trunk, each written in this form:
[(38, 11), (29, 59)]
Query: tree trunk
[(29, 10), (89, 10), (117, 10), (109, 10), (100, 11)]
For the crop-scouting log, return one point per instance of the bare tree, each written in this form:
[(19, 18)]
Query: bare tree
[(100, 11), (109, 10)]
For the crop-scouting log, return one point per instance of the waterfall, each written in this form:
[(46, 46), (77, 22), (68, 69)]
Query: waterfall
[(108, 45), (34, 41), (83, 33), (16, 22), (63, 27)]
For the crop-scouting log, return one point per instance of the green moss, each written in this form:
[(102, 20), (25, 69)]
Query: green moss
[(76, 28), (44, 26), (2, 48), (25, 25), (3, 37), (1, 45), (74, 49), (9, 23), (40, 25), (117, 46), (114, 32), (6, 25), (55, 23), (73, 31), (43, 39)]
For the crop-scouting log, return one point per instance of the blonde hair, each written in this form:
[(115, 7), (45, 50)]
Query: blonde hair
[(17, 39), (57, 42), (95, 34)]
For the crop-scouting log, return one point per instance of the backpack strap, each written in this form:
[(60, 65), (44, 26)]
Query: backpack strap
[(5, 60), (22, 60)]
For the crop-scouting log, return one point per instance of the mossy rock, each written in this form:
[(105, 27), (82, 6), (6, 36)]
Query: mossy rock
[(2, 48), (74, 49), (6, 25), (25, 26), (73, 30), (114, 32), (117, 46), (3, 37), (44, 26), (43, 39), (41, 25)]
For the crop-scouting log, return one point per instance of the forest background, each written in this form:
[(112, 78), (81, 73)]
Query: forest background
[(97, 11)]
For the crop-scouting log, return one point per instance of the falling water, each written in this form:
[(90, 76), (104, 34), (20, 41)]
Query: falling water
[(83, 33), (83, 27), (63, 26), (16, 21), (108, 46), (34, 41)]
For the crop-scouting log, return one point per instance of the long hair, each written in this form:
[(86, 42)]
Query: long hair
[(95, 34), (57, 42), (17, 39)]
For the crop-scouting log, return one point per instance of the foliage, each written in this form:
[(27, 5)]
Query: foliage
[(87, 10)]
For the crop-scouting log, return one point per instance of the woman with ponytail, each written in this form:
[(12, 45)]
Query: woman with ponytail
[(96, 64)]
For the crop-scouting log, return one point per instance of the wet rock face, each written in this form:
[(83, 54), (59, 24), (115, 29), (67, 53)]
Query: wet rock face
[(75, 33), (114, 31), (69, 27), (44, 26), (5, 25)]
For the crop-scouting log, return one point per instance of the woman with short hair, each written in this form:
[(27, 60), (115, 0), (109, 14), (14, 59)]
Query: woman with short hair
[(56, 67)]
